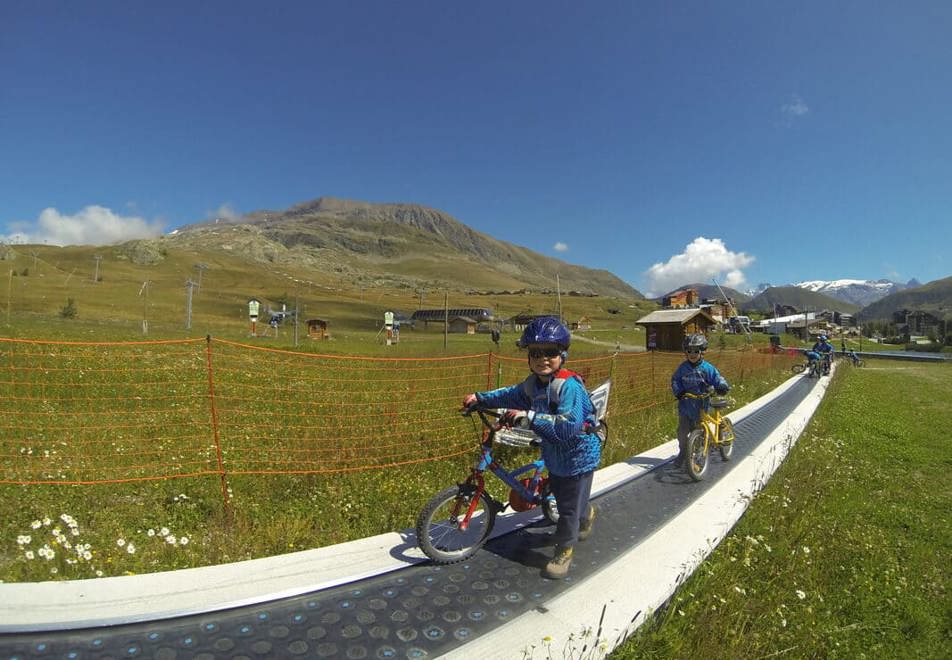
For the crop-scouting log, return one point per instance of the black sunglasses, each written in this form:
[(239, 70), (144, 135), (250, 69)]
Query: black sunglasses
[(693, 352), (544, 352)]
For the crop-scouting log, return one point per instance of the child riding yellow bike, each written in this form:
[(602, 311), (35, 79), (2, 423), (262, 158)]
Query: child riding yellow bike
[(693, 376)]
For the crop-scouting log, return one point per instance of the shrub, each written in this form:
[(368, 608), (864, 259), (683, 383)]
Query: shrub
[(69, 311)]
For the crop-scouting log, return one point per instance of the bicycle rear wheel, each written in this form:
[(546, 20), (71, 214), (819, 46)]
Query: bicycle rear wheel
[(438, 530), (697, 454)]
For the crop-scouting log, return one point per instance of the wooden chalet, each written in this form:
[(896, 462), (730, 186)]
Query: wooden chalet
[(679, 299), (666, 328), (317, 329), (476, 314), (462, 325)]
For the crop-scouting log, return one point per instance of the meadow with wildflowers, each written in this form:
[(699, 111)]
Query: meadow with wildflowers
[(86, 530), (847, 551)]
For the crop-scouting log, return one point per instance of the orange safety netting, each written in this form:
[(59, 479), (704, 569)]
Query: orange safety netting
[(79, 413)]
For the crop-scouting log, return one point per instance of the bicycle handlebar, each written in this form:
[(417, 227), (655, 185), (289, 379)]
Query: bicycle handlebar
[(487, 415), (710, 394)]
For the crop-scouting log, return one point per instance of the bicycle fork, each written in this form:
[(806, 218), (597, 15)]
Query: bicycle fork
[(472, 491), (710, 432)]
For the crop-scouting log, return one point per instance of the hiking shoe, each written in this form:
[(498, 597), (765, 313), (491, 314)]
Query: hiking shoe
[(585, 529), (558, 568)]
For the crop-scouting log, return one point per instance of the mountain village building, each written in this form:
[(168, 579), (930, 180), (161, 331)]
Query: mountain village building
[(666, 328)]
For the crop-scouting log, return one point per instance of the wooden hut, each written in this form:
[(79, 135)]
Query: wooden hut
[(317, 329), (666, 328), (462, 324)]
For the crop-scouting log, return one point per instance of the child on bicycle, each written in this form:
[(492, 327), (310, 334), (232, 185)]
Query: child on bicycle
[(825, 349), (564, 419), (693, 376)]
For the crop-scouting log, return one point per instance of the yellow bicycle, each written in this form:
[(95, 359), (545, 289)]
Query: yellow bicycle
[(713, 430)]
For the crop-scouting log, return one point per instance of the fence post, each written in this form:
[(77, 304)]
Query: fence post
[(654, 385), (215, 434)]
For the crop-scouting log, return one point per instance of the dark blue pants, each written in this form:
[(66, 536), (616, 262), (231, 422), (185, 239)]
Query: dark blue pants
[(571, 495), (685, 426)]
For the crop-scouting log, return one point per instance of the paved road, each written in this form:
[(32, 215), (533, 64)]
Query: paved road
[(611, 344)]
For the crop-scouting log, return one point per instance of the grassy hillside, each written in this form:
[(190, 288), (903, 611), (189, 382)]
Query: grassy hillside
[(934, 297), (39, 280)]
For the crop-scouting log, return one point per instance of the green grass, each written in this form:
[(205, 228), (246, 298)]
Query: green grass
[(93, 393), (847, 551), (34, 289)]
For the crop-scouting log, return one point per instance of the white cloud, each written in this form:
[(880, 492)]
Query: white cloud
[(561, 247), (225, 213), (94, 225), (702, 260), (795, 108)]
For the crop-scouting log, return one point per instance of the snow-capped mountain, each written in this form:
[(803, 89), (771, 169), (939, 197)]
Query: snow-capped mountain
[(858, 292)]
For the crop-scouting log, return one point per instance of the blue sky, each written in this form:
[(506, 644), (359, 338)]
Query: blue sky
[(667, 142)]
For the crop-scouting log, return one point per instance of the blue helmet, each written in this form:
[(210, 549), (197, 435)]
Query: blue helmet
[(822, 337), (545, 330)]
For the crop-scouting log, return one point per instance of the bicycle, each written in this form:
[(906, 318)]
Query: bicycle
[(854, 359), (713, 429), (457, 521), (812, 367)]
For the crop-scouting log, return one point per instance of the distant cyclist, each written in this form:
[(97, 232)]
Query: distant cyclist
[(693, 376), (812, 358), (825, 349)]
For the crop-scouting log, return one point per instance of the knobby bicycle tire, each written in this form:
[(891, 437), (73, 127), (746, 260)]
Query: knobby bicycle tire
[(437, 528), (726, 437), (697, 454)]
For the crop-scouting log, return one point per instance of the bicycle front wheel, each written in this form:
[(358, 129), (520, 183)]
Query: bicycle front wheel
[(726, 444), (439, 530), (697, 454), (550, 508), (797, 368)]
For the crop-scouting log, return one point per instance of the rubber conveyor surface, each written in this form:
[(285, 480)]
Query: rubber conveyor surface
[(421, 611)]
